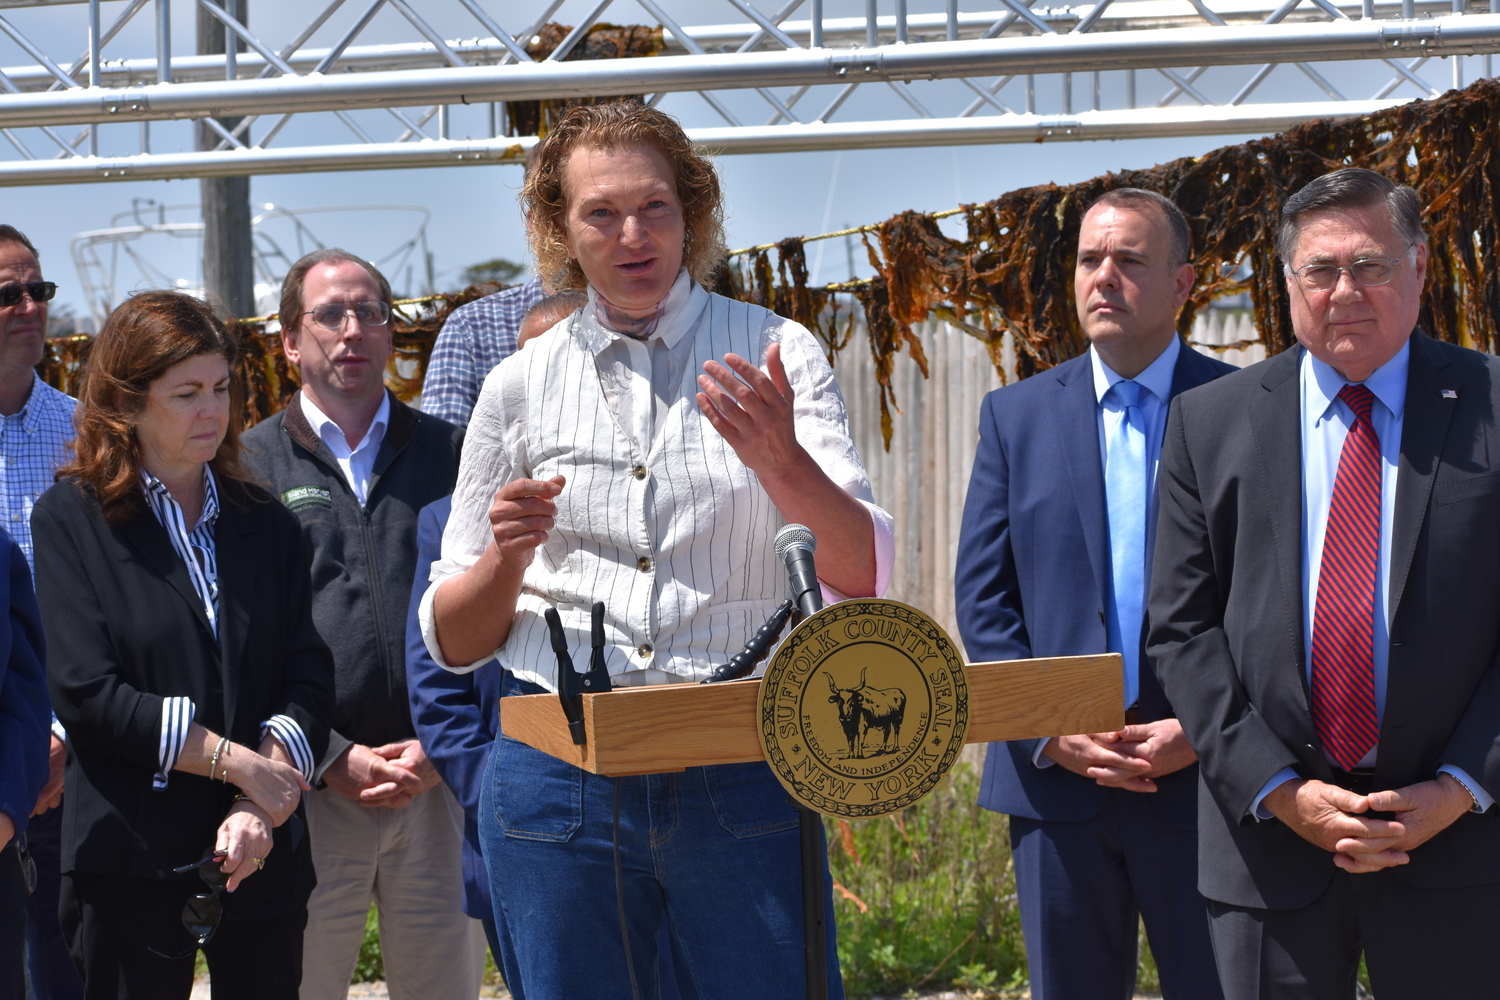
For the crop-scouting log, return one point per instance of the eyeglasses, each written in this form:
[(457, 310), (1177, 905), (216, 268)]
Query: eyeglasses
[(202, 912), (28, 863), (40, 291), (330, 315), (1368, 272)]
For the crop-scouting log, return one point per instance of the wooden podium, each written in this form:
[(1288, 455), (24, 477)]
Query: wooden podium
[(671, 727)]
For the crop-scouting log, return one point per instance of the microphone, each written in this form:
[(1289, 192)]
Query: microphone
[(795, 545)]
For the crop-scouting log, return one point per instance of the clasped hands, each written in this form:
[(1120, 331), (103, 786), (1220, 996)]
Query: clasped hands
[(391, 775), (1131, 758), (1335, 818)]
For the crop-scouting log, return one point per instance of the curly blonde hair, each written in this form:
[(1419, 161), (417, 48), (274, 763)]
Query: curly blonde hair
[(613, 126)]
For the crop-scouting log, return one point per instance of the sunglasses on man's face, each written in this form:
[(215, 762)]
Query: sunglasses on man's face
[(203, 911), (39, 292)]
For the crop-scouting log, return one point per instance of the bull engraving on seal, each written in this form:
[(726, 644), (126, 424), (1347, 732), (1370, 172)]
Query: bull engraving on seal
[(863, 708)]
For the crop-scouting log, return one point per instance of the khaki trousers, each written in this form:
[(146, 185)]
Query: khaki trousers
[(409, 863)]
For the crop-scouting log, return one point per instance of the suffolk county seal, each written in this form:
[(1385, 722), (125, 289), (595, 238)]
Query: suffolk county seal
[(863, 708)]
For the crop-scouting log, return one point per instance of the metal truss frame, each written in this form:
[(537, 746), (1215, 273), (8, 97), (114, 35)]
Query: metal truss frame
[(770, 55)]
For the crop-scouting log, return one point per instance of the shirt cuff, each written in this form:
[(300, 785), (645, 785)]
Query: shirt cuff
[(176, 719), (1281, 777), (1482, 799), (58, 730), (885, 554), (1039, 759), (286, 729), (429, 633)]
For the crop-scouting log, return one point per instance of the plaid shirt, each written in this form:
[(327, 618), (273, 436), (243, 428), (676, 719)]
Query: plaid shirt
[(33, 444), (475, 339)]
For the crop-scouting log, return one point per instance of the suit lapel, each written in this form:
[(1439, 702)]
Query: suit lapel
[(233, 534), (1078, 438), (1276, 424), (146, 535), (1424, 428)]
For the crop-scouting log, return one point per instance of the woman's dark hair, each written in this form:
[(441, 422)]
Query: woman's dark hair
[(621, 125), (143, 338)]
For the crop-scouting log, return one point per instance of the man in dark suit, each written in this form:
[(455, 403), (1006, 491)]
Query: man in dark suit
[(1053, 561), (1325, 616)]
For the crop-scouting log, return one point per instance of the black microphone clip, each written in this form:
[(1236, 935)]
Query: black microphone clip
[(569, 681), (597, 679)]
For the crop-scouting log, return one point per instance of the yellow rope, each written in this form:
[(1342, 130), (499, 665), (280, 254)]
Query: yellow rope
[(842, 232)]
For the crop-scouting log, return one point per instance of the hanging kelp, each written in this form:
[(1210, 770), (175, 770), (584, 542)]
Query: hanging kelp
[(602, 41), (1013, 270)]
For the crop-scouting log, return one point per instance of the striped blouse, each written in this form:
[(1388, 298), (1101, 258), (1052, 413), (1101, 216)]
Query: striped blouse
[(659, 519), (199, 554)]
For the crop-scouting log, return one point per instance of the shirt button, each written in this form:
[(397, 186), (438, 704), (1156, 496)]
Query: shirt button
[(645, 650), (640, 472), (643, 564)]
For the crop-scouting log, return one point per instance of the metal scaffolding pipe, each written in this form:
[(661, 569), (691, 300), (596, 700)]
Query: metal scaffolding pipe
[(489, 51), (1341, 40), (1086, 125)]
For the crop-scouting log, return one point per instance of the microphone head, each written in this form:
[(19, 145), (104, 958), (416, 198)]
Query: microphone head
[(794, 536)]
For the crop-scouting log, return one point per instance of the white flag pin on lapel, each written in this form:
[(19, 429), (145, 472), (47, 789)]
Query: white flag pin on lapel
[(1450, 393)]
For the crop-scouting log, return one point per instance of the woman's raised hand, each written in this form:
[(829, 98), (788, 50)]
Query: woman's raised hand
[(753, 411)]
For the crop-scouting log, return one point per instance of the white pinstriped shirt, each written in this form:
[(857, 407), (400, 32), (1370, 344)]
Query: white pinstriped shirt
[(659, 518), (199, 554)]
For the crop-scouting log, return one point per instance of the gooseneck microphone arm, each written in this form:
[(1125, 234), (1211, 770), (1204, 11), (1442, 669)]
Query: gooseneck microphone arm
[(758, 647), (795, 545)]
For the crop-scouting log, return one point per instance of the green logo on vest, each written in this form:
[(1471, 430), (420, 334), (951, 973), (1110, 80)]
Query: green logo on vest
[(300, 498)]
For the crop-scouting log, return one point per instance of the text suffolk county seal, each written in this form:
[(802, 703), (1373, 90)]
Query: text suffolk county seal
[(863, 708)]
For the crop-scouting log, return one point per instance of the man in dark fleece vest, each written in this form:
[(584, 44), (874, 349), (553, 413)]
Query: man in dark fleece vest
[(357, 465)]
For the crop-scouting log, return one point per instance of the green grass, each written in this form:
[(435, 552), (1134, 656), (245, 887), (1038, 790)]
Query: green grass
[(925, 898)]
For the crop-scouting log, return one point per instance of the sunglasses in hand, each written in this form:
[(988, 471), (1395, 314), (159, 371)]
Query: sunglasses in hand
[(203, 911), (39, 291)]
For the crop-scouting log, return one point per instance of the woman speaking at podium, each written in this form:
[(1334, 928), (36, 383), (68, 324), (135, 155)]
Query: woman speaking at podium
[(643, 452)]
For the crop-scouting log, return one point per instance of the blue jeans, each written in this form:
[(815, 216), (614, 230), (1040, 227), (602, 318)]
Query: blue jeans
[(714, 850)]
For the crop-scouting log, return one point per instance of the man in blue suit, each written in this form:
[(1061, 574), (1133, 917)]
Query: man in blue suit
[(456, 716), (25, 717), (1054, 559)]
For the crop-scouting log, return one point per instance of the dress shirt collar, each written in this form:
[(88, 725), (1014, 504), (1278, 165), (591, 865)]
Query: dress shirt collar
[(159, 497), (31, 413), (680, 311), (1388, 383), (1156, 379), (324, 427)]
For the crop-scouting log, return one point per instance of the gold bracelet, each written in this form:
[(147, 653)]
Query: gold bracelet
[(213, 764)]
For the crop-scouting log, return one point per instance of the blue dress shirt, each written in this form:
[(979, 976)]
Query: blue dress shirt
[(1157, 381), (1325, 421)]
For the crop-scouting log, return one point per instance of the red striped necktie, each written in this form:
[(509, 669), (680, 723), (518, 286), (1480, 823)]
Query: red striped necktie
[(1343, 645)]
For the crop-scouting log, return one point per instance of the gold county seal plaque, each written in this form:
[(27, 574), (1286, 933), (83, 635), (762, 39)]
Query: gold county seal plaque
[(863, 708)]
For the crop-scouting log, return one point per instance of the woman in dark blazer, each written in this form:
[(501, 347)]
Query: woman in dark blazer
[(183, 660)]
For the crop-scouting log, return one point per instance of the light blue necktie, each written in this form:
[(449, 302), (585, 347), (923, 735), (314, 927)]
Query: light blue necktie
[(1127, 498)]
